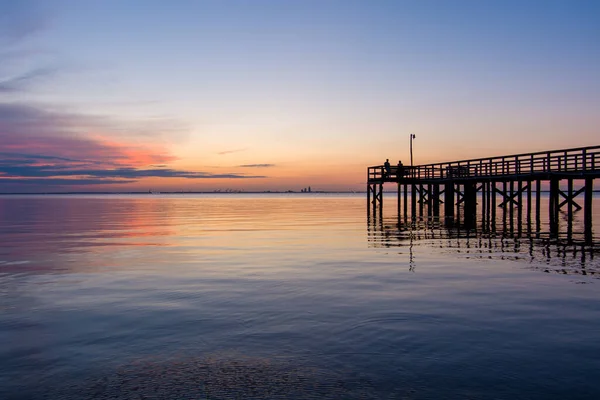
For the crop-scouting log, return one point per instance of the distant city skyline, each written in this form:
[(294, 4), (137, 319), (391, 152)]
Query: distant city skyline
[(270, 95)]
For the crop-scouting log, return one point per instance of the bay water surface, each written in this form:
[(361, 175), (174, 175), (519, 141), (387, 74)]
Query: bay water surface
[(240, 296)]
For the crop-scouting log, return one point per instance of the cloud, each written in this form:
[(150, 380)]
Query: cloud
[(21, 82), (232, 151), (256, 165), (43, 170), (64, 182), (26, 128), (30, 119), (48, 147), (32, 157), (25, 170), (18, 21)]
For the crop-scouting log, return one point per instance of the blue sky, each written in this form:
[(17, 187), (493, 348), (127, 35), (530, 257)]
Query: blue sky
[(307, 92)]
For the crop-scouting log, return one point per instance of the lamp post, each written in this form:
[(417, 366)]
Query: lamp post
[(412, 136)]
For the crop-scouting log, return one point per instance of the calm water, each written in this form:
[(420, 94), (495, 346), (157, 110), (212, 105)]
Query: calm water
[(287, 296)]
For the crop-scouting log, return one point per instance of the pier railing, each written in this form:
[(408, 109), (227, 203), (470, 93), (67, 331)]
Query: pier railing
[(577, 160)]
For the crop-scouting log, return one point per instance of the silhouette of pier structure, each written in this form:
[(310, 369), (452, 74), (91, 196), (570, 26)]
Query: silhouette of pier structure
[(512, 184), (538, 250)]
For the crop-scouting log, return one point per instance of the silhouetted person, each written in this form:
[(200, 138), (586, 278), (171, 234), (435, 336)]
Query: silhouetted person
[(400, 170), (386, 166)]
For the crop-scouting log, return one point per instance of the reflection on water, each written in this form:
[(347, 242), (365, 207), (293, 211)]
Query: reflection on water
[(522, 238), (285, 296), (540, 250)]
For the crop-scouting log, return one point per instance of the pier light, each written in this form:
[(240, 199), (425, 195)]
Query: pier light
[(412, 136)]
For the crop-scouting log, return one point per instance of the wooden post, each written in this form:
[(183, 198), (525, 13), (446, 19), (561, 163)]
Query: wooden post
[(490, 192), (538, 200), (553, 209), (457, 189), (429, 200), (587, 212), (449, 199), (529, 199), (413, 201), (399, 198), (436, 200), (470, 203), (421, 200), (483, 202), (493, 207), (405, 201), (529, 182), (504, 211), (511, 209), (570, 199), (520, 201), (374, 202)]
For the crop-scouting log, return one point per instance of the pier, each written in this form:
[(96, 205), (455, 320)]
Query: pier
[(511, 184)]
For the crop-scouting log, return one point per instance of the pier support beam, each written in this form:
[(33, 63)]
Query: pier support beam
[(436, 200), (538, 200), (493, 206), (421, 199), (405, 205), (553, 206), (413, 201), (470, 202), (399, 198), (429, 200), (587, 217)]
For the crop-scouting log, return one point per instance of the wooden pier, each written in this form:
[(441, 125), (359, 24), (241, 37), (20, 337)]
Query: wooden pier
[(511, 183)]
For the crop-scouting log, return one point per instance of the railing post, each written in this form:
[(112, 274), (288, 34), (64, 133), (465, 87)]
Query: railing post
[(531, 165), (547, 169)]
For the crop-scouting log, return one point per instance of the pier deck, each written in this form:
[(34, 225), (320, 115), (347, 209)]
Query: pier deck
[(513, 177)]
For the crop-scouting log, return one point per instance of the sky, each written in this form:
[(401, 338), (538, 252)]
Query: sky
[(255, 95)]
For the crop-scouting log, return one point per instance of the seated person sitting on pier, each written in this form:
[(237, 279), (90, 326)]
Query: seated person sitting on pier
[(386, 166)]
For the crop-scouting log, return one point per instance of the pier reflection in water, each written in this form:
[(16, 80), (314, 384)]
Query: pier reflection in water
[(571, 250)]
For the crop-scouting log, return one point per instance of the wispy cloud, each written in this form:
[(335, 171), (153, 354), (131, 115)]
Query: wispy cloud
[(64, 182), (22, 82), (31, 129), (47, 147), (232, 151), (18, 21), (256, 165), (39, 169)]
